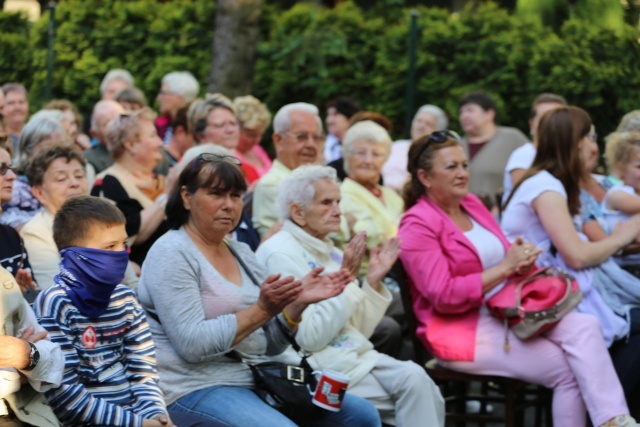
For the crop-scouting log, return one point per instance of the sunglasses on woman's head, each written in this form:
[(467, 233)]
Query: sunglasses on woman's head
[(211, 157), (4, 168), (437, 137)]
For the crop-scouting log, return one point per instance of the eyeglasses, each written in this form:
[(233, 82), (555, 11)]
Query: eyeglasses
[(301, 138), (211, 157), (437, 137), (4, 168)]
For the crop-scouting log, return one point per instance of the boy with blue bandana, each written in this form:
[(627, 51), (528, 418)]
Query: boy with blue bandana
[(110, 376)]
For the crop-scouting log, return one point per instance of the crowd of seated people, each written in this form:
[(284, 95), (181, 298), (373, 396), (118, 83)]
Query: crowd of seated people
[(146, 264)]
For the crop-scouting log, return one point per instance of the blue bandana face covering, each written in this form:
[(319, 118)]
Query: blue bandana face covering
[(89, 277)]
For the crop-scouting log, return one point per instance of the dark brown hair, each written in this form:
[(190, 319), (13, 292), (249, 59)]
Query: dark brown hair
[(220, 175), (38, 166), (131, 95), (181, 118), (78, 214), (559, 134), (378, 118), (421, 155)]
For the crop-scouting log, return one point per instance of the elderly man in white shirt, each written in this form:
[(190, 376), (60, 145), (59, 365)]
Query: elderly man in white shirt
[(25, 352), (298, 139)]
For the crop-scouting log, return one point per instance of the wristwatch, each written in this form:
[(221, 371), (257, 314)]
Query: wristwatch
[(34, 357)]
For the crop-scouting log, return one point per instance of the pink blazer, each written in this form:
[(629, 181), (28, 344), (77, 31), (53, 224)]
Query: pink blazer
[(443, 269)]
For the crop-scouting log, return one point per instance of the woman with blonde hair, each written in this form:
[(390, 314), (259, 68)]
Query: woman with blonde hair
[(141, 194), (254, 118), (213, 120)]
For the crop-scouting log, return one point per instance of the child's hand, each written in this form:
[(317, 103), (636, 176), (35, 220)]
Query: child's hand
[(25, 280), (151, 423), (164, 420)]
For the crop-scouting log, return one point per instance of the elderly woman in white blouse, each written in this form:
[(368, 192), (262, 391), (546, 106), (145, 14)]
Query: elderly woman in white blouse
[(428, 119), (336, 331)]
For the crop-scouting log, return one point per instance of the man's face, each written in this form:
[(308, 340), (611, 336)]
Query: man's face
[(540, 109), (16, 107), (103, 120), (113, 87), (302, 143), (337, 123), (169, 101), (473, 118)]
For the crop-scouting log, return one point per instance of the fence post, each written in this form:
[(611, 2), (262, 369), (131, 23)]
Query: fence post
[(52, 14), (411, 73)]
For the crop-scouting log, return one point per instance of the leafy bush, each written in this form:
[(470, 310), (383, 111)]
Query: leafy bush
[(147, 37), (309, 53)]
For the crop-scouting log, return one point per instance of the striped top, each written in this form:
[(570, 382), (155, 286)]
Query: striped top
[(110, 376)]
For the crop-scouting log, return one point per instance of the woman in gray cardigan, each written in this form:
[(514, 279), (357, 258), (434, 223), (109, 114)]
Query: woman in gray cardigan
[(206, 305)]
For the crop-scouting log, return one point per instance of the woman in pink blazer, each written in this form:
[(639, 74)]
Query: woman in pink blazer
[(456, 257)]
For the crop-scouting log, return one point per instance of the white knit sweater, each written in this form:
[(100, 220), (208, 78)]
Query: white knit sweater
[(336, 331)]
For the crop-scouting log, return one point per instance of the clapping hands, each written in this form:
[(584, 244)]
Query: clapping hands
[(316, 287), (354, 252), (381, 259)]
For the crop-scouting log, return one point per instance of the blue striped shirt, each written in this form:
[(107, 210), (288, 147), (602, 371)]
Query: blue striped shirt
[(110, 376)]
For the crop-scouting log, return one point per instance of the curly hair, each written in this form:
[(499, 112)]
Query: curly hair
[(620, 147), (251, 113)]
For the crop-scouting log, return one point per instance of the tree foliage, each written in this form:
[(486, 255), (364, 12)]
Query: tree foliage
[(310, 53)]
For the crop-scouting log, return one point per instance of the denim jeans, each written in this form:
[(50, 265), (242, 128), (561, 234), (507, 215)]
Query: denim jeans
[(241, 407)]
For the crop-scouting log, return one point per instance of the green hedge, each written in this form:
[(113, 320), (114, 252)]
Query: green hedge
[(147, 37), (308, 53)]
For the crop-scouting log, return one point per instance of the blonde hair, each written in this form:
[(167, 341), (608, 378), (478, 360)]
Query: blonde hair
[(126, 127), (251, 113), (620, 146)]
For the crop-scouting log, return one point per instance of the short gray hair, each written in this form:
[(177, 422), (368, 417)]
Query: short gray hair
[(282, 119), (116, 74), (442, 122), (11, 87), (182, 83), (298, 187), (54, 114), (630, 122), (366, 130), (39, 128)]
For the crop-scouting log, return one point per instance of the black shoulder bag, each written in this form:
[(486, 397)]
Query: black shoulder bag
[(286, 388)]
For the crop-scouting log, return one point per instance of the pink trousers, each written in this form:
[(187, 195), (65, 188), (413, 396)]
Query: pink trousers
[(571, 359)]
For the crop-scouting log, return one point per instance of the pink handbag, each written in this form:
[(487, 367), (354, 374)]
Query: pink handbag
[(535, 304)]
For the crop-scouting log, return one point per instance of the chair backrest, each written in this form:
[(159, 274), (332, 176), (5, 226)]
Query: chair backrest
[(421, 355)]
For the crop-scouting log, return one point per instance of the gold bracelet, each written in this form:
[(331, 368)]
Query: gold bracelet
[(290, 321)]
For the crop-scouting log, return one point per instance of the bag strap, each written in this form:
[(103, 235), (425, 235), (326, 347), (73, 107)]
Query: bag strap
[(285, 331), (242, 264)]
